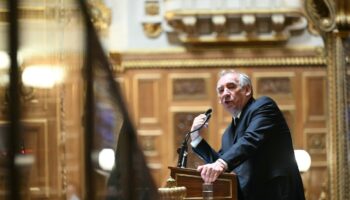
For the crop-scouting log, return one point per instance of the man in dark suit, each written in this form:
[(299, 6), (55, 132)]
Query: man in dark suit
[(257, 145)]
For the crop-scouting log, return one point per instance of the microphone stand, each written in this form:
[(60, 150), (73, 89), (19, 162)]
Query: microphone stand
[(183, 150)]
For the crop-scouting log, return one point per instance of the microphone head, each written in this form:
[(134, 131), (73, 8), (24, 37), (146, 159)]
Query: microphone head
[(208, 112)]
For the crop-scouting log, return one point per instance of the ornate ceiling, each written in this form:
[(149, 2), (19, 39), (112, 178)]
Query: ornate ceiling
[(225, 21)]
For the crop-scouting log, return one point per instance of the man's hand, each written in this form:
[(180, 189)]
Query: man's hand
[(197, 122), (210, 172)]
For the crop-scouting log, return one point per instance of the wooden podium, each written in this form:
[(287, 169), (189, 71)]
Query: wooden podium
[(224, 188)]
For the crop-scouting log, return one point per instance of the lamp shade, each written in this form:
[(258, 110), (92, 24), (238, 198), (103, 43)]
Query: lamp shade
[(303, 160), (106, 159)]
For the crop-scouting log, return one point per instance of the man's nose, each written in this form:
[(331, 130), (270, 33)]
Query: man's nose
[(226, 91)]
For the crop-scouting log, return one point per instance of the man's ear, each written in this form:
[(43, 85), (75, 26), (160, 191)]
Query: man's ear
[(248, 91)]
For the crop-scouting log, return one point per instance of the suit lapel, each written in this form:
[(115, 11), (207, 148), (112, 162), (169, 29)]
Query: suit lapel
[(229, 136)]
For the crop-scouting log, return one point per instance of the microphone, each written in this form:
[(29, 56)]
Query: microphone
[(182, 151), (208, 112)]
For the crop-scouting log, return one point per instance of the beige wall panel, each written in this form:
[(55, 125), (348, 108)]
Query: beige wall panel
[(124, 87), (151, 144), (279, 85), (146, 99), (314, 91), (189, 86)]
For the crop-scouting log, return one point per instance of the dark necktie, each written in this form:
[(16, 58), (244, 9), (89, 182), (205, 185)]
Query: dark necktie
[(234, 123), (234, 126)]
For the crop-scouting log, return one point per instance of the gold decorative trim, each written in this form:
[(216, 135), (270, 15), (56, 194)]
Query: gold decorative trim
[(151, 8), (39, 13), (101, 15), (343, 15), (319, 50), (321, 14), (232, 25), (214, 63), (173, 14), (338, 137), (281, 37), (152, 30)]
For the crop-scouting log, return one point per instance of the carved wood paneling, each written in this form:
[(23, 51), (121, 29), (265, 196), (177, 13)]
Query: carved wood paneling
[(151, 143), (189, 86), (182, 125), (316, 140), (316, 182), (34, 101), (314, 85), (314, 129), (35, 161), (278, 85), (289, 114), (294, 89), (181, 120), (146, 99)]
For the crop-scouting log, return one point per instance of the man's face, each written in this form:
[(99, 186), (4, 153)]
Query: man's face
[(230, 94)]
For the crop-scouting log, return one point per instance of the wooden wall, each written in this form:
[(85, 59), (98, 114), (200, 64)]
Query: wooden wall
[(163, 103), (51, 134)]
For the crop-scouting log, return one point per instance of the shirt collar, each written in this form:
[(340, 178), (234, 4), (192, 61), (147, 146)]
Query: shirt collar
[(238, 115)]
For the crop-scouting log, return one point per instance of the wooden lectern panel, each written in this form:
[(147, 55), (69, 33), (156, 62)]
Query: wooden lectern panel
[(224, 188)]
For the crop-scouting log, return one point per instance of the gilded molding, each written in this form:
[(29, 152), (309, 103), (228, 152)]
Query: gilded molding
[(219, 62), (337, 136), (321, 13), (101, 15), (39, 13), (175, 14), (152, 30), (235, 25), (343, 15)]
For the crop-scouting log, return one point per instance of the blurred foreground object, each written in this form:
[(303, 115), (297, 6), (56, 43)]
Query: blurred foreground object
[(303, 160), (171, 191)]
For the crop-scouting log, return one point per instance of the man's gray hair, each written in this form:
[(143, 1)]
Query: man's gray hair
[(244, 79)]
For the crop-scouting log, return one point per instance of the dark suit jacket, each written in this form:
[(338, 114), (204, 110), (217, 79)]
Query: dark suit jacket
[(259, 150)]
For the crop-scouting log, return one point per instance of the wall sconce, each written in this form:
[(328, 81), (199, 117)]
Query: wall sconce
[(303, 160), (5, 63), (106, 159), (42, 76)]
